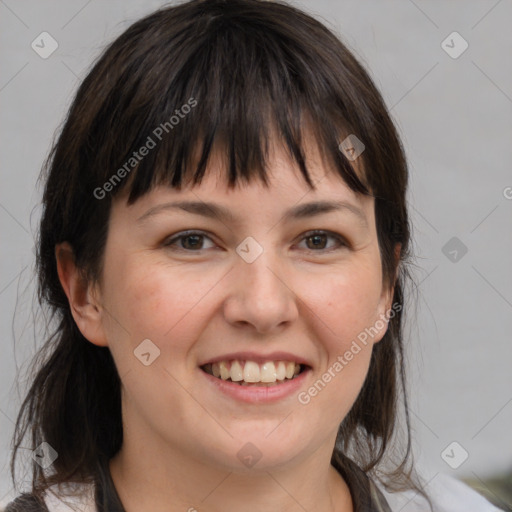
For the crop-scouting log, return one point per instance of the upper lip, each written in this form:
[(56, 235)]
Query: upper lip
[(258, 357)]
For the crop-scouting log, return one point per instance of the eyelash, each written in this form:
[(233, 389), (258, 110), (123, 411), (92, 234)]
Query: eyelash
[(185, 234)]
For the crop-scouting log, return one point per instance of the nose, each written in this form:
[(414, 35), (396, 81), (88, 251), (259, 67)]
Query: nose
[(261, 296)]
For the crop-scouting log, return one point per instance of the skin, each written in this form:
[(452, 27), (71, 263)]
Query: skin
[(181, 435)]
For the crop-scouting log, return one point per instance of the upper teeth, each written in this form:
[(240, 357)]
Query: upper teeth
[(250, 371)]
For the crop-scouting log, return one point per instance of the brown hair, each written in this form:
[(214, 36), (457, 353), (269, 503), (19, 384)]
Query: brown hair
[(245, 69)]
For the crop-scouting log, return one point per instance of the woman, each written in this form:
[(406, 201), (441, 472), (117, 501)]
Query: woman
[(224, 247)]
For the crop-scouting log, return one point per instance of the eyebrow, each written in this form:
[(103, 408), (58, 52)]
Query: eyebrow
[(223, 214)]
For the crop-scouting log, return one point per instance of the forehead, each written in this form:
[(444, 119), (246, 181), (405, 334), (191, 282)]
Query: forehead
[(287, 192)]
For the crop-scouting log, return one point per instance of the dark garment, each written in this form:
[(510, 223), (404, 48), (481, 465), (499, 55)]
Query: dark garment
[(366, 497), (26, 503)]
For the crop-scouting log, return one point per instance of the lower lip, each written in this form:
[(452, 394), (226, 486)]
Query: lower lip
[(258, 394)]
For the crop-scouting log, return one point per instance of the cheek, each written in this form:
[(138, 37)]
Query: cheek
[(165, 304), (346, 302), (343, 308)]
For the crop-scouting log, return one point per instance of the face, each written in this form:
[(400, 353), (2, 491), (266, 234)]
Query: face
[(269, 285)]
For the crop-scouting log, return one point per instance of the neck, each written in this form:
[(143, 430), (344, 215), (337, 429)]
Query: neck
[(148, 477)]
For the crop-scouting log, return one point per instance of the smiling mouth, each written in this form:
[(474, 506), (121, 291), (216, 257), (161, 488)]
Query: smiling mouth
[(250, 373)]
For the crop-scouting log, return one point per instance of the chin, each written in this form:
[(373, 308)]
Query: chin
[(256, 452)]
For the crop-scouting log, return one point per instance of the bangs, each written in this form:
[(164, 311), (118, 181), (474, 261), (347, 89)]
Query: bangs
[(229, 83)]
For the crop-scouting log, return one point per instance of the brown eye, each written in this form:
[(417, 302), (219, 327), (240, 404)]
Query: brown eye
[(318, 241), (192, 241), (188, 241)]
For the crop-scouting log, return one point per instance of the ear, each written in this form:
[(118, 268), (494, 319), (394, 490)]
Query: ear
[(83, 297), (385, 309)]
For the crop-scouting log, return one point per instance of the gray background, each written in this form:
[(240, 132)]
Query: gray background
[(454, 115)]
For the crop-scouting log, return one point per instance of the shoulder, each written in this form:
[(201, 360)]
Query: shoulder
[(69, 497), (447, 494)]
